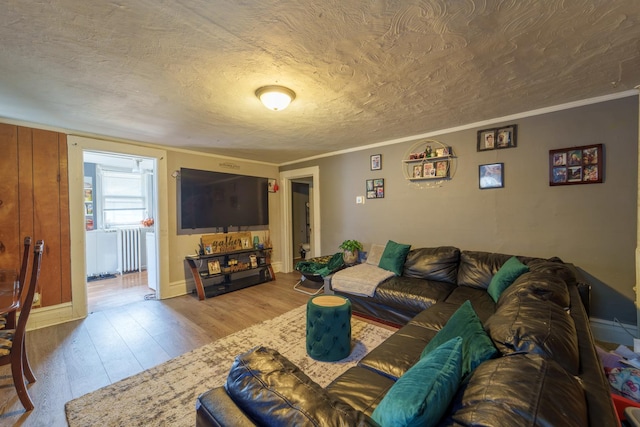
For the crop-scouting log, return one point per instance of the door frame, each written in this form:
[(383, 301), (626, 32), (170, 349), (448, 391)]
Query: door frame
[(76, 146), (286, 177)]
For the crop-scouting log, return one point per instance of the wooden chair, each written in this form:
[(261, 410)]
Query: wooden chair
[(12, 348), (8, 320)]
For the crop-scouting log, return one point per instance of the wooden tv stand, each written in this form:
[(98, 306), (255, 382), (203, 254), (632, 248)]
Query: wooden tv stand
[(219, 273)]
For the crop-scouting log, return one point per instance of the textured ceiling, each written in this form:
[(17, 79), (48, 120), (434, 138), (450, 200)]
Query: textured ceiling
[(183, 72)]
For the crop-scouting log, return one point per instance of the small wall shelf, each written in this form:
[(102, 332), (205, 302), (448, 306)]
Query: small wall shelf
[(428, 160)]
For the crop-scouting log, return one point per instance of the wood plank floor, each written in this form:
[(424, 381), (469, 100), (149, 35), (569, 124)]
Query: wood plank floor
[(120, 290), (78, 357)]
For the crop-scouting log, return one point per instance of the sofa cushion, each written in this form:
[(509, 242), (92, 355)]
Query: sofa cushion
[(540, 284), (519, 390), (216, 408), (399, 352), (482, 303), (421, 396), (273, 391), (374, 255), (360, 388), (410, 294), (555, 267), (439, 264), (508, 273), (477, 268), (394, 256), (526, 324), (476, 346)]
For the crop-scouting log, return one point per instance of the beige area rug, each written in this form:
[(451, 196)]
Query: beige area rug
[(166, 394)]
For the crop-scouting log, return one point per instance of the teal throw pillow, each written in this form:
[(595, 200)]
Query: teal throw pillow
[(421, 396), (476, 344), (508, 273), (393, 257)]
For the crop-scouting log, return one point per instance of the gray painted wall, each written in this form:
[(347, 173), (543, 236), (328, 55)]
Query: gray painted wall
[(592, 226)]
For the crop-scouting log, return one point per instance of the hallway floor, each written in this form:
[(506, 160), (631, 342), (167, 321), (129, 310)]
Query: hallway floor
[(123, 289)]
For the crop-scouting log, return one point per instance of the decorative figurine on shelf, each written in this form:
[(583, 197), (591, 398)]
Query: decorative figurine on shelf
[(428, 151)]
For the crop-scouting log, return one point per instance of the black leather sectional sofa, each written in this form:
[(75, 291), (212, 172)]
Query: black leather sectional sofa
[(547, 372)]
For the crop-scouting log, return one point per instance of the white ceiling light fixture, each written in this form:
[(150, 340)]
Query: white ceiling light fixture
[(275, 98)]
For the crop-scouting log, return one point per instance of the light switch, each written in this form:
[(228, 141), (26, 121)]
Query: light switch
[(360, 200)]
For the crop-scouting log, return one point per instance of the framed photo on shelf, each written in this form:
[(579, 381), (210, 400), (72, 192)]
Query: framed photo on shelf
[(576, 165), (443, 152), (497, 138), (375, 188), (429, 170), (491, 176), (417, 171), (214, 267), (442, 169), (376, 162)]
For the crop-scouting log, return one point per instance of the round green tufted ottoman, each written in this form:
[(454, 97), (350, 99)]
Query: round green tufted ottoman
[(328, 328)]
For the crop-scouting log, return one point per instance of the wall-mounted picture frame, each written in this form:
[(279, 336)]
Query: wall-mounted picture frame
[(271, 185), (497, 138), (576, 165), (491, 175), (376, 162), (375, 188)]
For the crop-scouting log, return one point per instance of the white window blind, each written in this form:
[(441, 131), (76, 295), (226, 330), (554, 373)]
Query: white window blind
[(124, 198)]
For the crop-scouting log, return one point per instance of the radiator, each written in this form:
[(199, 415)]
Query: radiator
[(129, 256)]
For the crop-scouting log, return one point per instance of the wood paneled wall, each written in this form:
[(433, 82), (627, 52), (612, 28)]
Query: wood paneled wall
[(34, 201)]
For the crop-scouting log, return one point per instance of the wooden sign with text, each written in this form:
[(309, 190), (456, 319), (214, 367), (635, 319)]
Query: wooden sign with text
[(226, 242)]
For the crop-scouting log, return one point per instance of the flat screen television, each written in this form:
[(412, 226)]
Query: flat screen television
[(209, 201)]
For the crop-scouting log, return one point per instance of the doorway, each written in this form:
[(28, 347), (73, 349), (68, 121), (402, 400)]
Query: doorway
[(311, 178), (300, 219), (119, 195)]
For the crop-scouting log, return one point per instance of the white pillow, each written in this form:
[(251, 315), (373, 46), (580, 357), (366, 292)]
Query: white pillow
[(374, 255)]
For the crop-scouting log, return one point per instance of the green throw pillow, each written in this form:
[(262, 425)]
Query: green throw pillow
[(508, 273), (394, 256), (421, 396), (476, 345)]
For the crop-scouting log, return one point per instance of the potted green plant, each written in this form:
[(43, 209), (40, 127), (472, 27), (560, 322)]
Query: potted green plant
[(350, 250)]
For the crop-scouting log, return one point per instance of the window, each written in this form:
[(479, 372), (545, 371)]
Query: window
[(124, 200)]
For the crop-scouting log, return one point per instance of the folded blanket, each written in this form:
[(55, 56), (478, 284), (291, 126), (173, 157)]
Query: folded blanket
[(361, 279)]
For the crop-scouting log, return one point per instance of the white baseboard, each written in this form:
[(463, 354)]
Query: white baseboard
[(49, 316), (613, 332), (277, 266), (177, 289)]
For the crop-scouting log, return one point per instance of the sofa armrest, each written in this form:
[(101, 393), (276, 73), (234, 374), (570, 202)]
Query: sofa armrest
[(585, 295), (216, 408), (273, 391), (584, 288)]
